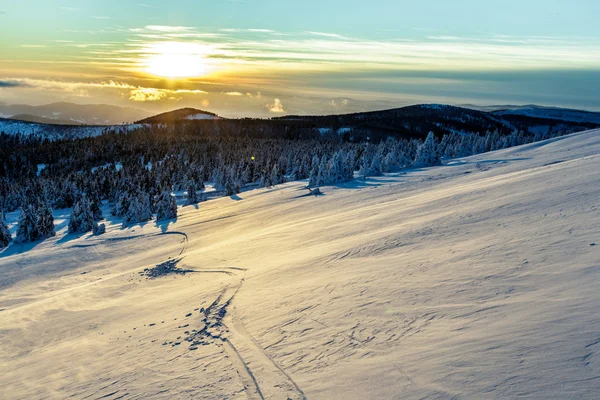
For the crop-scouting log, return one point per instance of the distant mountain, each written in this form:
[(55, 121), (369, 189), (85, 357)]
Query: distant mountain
[(179, 115), (42, 120), (418, 120), (58, 131), (407, 122), (532, 110), (62, 112), (561, 114)]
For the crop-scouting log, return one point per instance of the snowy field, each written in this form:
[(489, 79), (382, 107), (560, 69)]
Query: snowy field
[(479, 279)]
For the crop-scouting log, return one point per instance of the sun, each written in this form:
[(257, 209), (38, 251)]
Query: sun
[(176, 60)]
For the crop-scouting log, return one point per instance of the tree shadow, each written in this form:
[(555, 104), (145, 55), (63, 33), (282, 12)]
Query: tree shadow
[(164, 224), (67, 237), (235, 197), (19, 248), (458, 162), (309, 195)]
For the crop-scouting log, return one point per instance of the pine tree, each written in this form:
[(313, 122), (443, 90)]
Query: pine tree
[(427, 155), (122, 205), (192, 196), (139, 209), (5, 236), (95, 204), (314, 173), (276, 177), (27, 229), (166, 206), (375, 168), (82, 217)]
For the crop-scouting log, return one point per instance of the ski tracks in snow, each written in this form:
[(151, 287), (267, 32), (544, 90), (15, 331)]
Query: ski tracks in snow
[(262, 377)]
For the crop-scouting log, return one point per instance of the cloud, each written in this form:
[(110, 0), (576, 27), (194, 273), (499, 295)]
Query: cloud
[(261, 30), (234, 94), (147, 94), (146, 5), (276, 107), (166, 28), (12, 84), (328, 35), (82, 89), (33, 46)]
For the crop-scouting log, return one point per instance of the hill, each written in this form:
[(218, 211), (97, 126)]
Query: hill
[(561, 114), (91, 114), (42, 120), (478, 279), (182, 114), (407, 122), (57, 131), (418, 120)]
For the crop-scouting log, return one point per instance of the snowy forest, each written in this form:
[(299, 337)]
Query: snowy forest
[(137, 172)]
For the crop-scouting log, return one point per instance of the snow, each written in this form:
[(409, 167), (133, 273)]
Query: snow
[(56, 132), (200, 116), (477, 279), (40, 168)]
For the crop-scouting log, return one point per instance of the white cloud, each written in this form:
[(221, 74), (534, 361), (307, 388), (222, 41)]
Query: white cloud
[(166, 28), (276, 107), (147, 94)]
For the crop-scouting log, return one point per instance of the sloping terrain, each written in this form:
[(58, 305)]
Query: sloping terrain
[(56, 132), (182, 114), (93, 114), (554, 113), (479, 279), (418, 120)]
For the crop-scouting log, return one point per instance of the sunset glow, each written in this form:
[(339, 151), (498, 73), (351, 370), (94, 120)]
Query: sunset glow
[(175, 60)]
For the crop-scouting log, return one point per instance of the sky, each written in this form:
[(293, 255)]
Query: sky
[(264, 58)]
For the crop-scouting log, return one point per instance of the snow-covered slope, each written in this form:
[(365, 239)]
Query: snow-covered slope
[(54, 132), (200, 116), (479, 279)]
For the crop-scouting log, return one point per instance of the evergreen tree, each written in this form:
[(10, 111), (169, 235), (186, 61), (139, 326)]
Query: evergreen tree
[(5, 236), (166, 206), (82, 217), (139, 209), (314, 173), (192, 196), (27, 229), (427, 155)]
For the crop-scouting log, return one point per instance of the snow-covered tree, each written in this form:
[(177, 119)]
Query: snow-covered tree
[(95, 204), (192, 196), (314, 173), (427, 155), (82, 217), (122, 205), (5, 237), (27, 229), (139, 209), (166, 206)]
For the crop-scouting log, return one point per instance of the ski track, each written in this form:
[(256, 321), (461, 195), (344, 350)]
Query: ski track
[(260, 375), (222, 326)]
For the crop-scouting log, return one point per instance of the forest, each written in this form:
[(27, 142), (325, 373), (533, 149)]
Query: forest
[(137, 171)]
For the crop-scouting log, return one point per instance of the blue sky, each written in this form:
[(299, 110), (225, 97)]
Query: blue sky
[(312, 56)]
